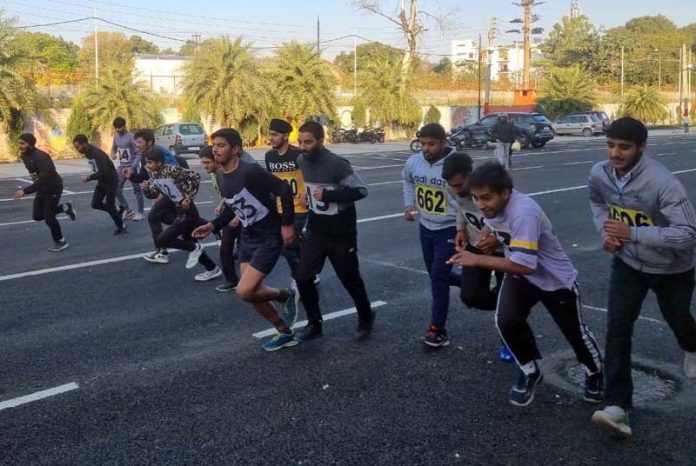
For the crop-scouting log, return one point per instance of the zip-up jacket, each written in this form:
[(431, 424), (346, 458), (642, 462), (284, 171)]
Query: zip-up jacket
[(504, 132), (425, 189), (103, 169), (42, 171), (176, 183), (655, 205), (335, 214)]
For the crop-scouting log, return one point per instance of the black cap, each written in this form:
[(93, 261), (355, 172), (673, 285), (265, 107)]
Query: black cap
[(280, 126)]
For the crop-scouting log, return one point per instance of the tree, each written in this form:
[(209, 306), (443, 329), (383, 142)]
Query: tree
[(572, 42), (79, 122), (367, 53), (566, 90), (644, 104), (118, 95), (53, 59), (192, 113), (443, 67), (223, 81), (140, 45), (301, 83), (433, 115), (359, 114), (114, 49)]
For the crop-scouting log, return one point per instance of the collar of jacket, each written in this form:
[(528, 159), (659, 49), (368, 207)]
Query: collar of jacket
[(634, 172)]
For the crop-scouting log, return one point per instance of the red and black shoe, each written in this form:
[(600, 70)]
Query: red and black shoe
[(436, 337)]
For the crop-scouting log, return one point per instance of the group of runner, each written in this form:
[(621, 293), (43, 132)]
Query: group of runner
[(302, 206)]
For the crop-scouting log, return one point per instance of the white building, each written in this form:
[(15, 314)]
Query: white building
[(163, 73), (506, 60)]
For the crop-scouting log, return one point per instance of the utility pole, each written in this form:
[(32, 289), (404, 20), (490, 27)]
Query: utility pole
[(96, 50), (527, 32), (489, 63), (355, 65), (479, 77), (318, 38), (686, 85), (622, 74)]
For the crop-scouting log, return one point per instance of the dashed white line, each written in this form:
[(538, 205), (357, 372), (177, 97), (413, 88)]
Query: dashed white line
[(647, 319), (325, 317), (13, 403), (528, 168), (579, 163), (378, 167)]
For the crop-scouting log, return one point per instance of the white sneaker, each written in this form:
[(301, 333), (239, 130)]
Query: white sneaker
[(193, 256), (614, 418), (157, 257), (126, 214), (690, 365), (208, 275), (137, 217)]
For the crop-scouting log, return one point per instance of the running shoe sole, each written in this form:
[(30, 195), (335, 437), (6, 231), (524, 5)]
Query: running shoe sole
[(284, 345), (596, 400), (156, 260), (531, 398), (62, 248), (436, 345), (602, 420), (208, 278)]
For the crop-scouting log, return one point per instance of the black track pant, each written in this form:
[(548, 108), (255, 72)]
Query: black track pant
[(46, 207), (178, 235), (104, 198), (515, 302), (228, 236), (161, 212), (342, 252)]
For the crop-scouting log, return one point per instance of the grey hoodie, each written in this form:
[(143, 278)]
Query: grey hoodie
[(654, 203)]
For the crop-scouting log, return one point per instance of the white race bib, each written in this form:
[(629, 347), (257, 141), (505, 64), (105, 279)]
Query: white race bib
[(248, 209), (93, 165), (320, 207), (124, 155), (168, 188)]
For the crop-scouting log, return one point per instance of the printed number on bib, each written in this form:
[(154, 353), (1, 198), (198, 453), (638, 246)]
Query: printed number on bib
[(124, 155), (634, 218), (320, 207), (291, 180), (247, 208), (169, 189), (93, 165), (431, 200), (474, 220)]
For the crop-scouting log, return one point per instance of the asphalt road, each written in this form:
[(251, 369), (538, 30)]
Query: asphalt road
[(168, 370)]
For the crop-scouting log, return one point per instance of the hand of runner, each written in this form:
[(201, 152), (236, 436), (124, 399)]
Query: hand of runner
[(319, 193), (288, 234), (612, 244), (488, 243), (303, 199), (618, 230), (18, 194), (410, 213), (127, 173), (465, 259), (186, 204), (203, 231), (145, 185), (85, 178), (460, 241), (234, 223)]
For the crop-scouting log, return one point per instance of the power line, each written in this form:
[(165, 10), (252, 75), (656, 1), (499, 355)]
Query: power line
[(54, 24)]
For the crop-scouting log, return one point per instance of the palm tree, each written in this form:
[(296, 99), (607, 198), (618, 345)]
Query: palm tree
[(645, 104), (301, 83), (224, 82), (567, 90), (117, 94)]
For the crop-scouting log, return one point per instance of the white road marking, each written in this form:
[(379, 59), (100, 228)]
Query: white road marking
[(527, 168), (68, 193), (62, 217), (665, 153), (24, 180), (334, 315), (579, 163), (381, 217), (378, 167), (38, 395), (647, 319), (382, 183)]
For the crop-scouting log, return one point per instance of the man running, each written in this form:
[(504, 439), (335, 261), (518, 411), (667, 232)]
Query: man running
[(536, 269), (426, 195), (504, 133), (648, 223), (104, 173), (250, 193), (332, 188), (180, 186), (163, 209), (48, 186), (282, 162), (125, 149)]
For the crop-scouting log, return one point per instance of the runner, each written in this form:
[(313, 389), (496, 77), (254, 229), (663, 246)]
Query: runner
[(180, 186), (126, 151), (229, 234), (48, 186), (536, 269), (504, 133), (332, 188), (163, 209), (426, 195), (282, 162), (104, 173), (647, 222), (474, 236), (250, 193)]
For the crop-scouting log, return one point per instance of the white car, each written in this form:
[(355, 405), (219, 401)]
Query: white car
[(181, 138)]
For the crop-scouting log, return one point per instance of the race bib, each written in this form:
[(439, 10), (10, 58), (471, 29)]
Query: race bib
[(634, 218), (124, 155), (168, 188), (320, 207), (297, 186), (475, 220), (431, 200), (248, 209), (93, 165)]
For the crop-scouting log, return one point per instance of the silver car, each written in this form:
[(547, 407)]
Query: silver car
[(585, 125), (181, 138)]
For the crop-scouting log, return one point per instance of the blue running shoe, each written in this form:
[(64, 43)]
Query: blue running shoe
[(288, 309), (280, 341), (506, 355), (522, 393)]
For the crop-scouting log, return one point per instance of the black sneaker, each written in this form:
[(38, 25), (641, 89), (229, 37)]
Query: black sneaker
[(59, 245), (226, 287), (594, 388), (522, 393), (70, 210), (365, 327), (310, 331), (120, 231), (436, 337)]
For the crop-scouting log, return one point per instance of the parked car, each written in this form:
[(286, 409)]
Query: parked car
[(531, 128), (602, 116), (181, 138), (585, 125)]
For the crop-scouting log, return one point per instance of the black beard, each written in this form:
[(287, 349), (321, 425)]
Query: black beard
[(313, 154)]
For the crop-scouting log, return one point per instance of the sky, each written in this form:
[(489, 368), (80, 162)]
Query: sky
[(267, 23)]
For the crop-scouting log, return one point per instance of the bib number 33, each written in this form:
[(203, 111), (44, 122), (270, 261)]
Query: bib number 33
[(431, 200)]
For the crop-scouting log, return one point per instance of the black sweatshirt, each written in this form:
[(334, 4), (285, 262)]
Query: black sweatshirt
[(103, 170), (42, 171), (250, 192)]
